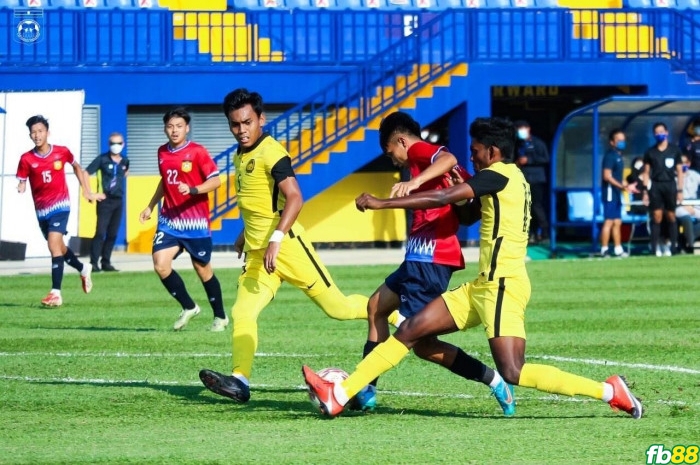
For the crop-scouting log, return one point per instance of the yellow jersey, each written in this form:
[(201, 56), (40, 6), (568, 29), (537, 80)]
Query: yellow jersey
[(505, 220), (259, 170)]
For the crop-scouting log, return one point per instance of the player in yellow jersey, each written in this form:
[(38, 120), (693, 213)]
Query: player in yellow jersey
[(274, 242), (496, 298)]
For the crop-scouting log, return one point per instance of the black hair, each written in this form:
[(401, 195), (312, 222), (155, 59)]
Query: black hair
[(239, 98), (397, 123), (37, 119), (613, 133), (521, 123), (657, 124), (179, 112), (495, 132)]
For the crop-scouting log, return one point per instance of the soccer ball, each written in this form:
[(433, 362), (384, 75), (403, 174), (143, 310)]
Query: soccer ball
[(329, 374)]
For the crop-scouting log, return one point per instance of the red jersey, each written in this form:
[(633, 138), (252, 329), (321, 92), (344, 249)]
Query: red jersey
[(185, 216), (47, 179), (433, 236)]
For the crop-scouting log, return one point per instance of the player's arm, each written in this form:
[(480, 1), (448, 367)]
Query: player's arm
[(485, 182), (418, 201), (157, 196), (211, 184), (286, 182), (442, 163), (84, 180), (680, 178)]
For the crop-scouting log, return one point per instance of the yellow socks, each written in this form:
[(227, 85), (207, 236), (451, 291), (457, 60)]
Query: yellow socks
[(382, 359), (550, 379)]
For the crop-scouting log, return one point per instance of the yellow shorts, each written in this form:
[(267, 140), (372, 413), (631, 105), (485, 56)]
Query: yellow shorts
[(498, 305), (297, 263)]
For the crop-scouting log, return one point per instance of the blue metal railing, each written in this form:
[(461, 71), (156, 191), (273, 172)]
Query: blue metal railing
[(333, 38)]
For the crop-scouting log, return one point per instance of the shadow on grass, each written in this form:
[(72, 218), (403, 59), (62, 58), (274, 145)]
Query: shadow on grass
[(10, 305), (98, 328)]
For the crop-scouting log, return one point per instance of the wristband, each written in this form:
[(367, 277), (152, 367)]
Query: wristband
[(194, 191), (276, 236)]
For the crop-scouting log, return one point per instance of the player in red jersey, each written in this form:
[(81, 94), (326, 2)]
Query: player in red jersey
[(43, 167), (433, 253), (187, 173)]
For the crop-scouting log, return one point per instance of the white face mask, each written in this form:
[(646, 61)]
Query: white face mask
[(116, 148), (523, 133)]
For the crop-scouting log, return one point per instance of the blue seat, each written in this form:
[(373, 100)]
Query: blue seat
[(498, 3), (546, 4), (692, 4), (581, 206), (122, 4), (63, 3), (11, 4), (638, 3)]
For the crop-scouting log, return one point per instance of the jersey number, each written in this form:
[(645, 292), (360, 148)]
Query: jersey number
[(158, 238), (46, 176), (172, 177)]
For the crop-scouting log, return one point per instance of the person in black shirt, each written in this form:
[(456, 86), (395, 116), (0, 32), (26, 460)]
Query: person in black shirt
[(663, 178), (113, 168), (692, 147), (533, 159)]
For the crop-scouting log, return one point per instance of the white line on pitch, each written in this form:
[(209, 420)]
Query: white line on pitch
[(586, 361), (138, 382)]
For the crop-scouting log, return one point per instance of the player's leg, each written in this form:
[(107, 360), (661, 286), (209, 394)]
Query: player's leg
[(100, 231), (54, 240), (605, 234), (434, 320), (300, 266), (115, 219), (256, 288), (503, 318), (617, 238), (200, 253), (165, 249), (670, 215)]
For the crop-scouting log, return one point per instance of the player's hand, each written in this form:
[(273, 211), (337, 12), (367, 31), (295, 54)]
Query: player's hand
[(521, 161), (270, 258), (632, 188), (21, 187), (402, 189), (367, 202), (183, 188), (239, 244), (679, 198), (645, 198), (100, 197), (145, 215)]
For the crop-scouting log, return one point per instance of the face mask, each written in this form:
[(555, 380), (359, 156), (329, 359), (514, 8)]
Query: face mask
[(696, 131), (621, 145), (685, 168), (638, 165), (523, 133), (116, 148), (660, 137)]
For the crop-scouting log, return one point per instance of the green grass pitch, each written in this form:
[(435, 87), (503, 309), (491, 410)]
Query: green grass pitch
[(104, 379)]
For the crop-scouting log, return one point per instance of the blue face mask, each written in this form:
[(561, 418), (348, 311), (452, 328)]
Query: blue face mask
[(685, 168), (621, 145), (660, 137), (696, 131)]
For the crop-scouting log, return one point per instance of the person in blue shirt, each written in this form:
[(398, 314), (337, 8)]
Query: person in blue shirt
[(112, 168), (613, 185)]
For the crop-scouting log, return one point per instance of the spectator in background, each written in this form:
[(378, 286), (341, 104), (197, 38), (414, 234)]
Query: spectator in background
[(692, 147), (613, 186), (688, 216), (663, 180), (113, 169), (533, 159)]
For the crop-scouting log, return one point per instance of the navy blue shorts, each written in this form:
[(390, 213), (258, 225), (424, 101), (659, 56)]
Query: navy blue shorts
[(58, 222), (199, 248), (417, 284), (612, 210)]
